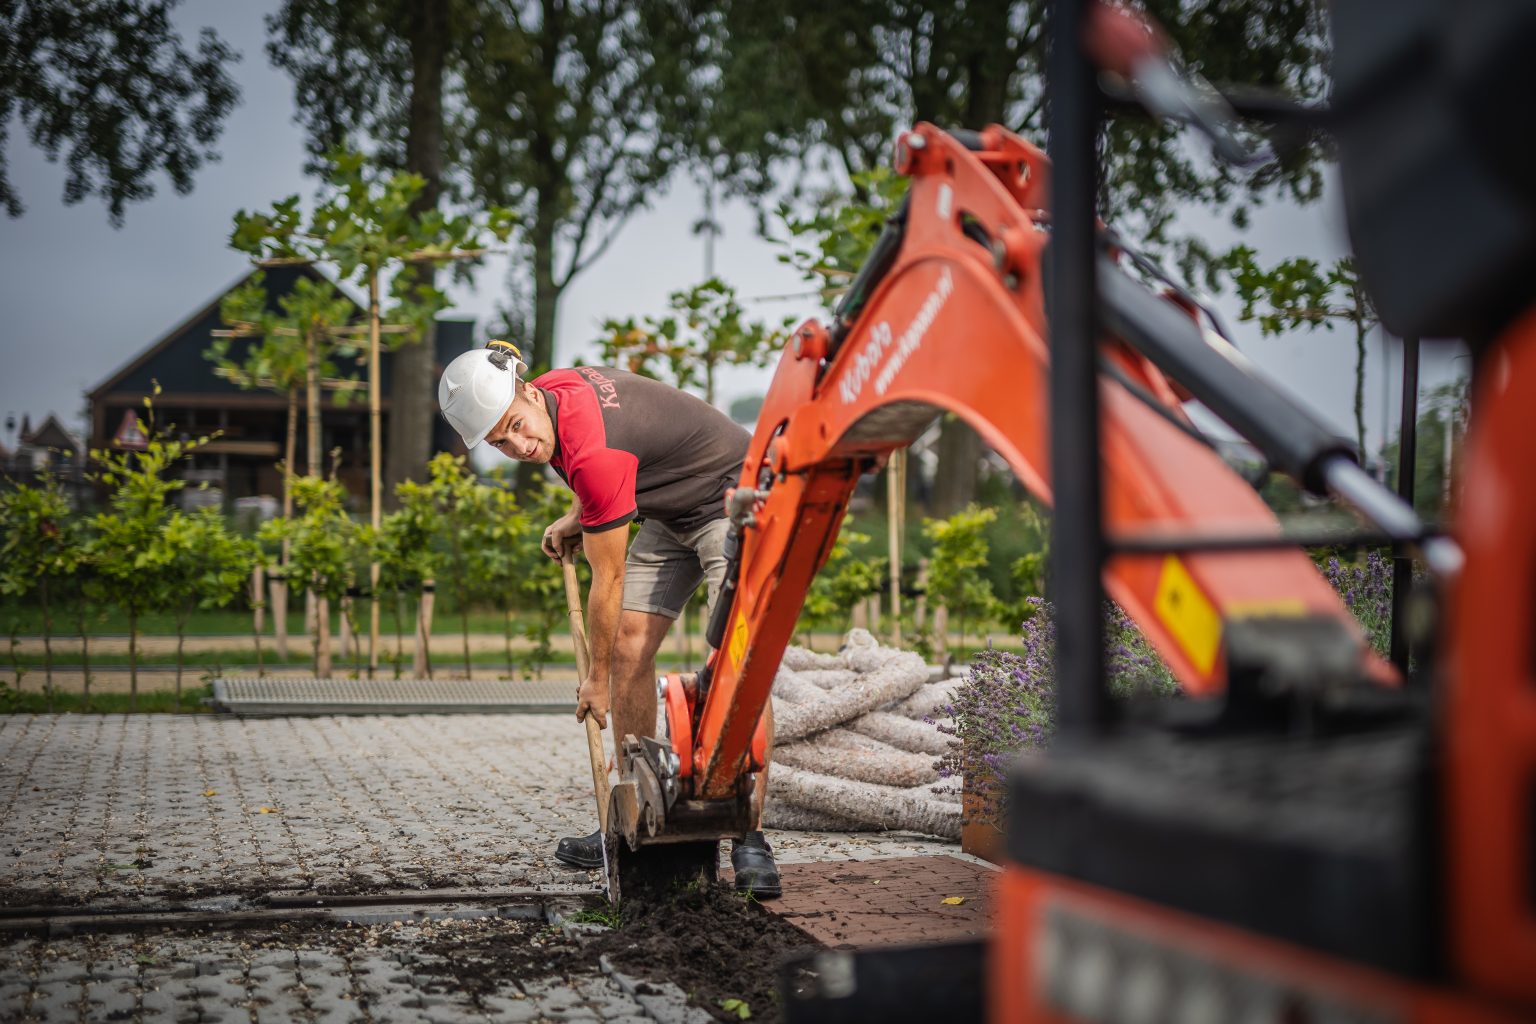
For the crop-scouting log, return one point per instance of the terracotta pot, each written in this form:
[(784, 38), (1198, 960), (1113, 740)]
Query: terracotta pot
[(980, 836)]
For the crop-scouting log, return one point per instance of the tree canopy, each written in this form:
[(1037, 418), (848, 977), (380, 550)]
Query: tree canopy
[(795, 76), (573, 113), (109, 84)]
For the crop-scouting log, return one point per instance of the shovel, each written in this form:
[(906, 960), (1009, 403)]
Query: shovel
[(594, 733)]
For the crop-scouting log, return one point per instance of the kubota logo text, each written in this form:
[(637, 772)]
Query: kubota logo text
[(882, 346)]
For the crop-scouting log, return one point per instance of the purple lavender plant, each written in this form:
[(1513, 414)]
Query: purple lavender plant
[(1008, 701), (1366, 587)]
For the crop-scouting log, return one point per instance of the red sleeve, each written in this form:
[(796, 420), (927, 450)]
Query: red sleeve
[(605, 484)]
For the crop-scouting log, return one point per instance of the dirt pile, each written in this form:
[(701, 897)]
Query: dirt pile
[(709, 942)]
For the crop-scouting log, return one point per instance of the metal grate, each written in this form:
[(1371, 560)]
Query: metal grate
[(278, 695)]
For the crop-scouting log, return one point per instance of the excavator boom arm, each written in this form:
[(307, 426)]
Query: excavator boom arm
[(953, 321)]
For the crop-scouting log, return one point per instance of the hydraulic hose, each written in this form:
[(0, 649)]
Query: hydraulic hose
[(1293, 439)]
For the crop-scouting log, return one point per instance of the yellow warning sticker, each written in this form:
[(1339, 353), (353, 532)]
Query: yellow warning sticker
[(738, 646), (1188, 614)]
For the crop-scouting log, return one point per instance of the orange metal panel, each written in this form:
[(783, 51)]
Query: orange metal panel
[(1491, 686), (1025, 900)]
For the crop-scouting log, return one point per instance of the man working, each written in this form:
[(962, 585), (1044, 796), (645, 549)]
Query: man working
[(629, 448)]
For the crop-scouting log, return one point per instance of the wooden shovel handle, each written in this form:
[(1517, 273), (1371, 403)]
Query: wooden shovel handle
[(573, 609), (595, 751)]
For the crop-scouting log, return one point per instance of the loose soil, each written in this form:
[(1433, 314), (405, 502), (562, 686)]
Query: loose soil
[(709, 942)]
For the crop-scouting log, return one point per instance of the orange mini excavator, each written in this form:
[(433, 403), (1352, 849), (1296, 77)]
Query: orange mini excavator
[(1311, 834)]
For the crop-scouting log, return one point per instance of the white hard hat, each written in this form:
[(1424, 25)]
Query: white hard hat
[(477, 387)]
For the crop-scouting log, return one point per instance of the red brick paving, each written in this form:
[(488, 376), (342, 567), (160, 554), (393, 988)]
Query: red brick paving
[(890, 901)]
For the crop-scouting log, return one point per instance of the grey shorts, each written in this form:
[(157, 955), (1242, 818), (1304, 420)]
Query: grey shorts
[(665, 567)]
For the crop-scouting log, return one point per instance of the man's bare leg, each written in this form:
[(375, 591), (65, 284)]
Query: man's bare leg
[(632, 707), (634, 673), (760, 791), (633, 701)]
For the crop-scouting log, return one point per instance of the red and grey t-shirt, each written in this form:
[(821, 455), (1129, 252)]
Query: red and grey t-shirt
[(632, 447)]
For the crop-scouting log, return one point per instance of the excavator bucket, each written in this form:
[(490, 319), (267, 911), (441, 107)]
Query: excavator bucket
[(656, 841), (651, 872)]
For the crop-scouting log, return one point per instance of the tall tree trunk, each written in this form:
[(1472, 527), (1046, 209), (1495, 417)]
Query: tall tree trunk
[(312, 433), (987, 70), (461, 571), (546, 297), (375, 471), (954, 482), (258, 585), (399, 650), (469, 671), (413, 390), (506, 636), (546, 310), (987, 74), (322, 638), (181, 643)]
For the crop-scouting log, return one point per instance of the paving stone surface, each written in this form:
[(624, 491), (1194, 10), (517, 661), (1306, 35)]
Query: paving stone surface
[(148, 808), (350, 975), (216, 812), (141, 809)]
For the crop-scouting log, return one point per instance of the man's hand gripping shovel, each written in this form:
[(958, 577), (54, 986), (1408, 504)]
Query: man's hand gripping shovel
[(595, 751)]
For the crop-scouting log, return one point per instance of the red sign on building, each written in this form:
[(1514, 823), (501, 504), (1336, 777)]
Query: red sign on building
[(128, 433)]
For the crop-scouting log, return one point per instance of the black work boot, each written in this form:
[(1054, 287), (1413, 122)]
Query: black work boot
[(581, 851), (756, 872)]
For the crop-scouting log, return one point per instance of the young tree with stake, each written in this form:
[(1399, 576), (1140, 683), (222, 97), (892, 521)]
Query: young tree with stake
[(367, 226)]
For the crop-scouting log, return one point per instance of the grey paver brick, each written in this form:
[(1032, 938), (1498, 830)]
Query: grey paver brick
[(670, 1006), (57, 1003), (513, 1011), (117, 1002), (278, 1005), (157, 1004), (13, 998)]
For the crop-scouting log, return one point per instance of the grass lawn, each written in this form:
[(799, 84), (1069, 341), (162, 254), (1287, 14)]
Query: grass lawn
[(28, 621), (159, 702), (299, 656)]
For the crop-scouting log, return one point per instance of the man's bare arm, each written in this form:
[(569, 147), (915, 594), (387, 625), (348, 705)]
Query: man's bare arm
[(564, 532), (605, 551)]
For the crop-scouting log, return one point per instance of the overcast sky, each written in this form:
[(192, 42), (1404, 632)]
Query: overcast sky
[(81, 298)]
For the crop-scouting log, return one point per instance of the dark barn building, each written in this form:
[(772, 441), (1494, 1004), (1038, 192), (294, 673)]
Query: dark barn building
[(48, 451), (242, 461)]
